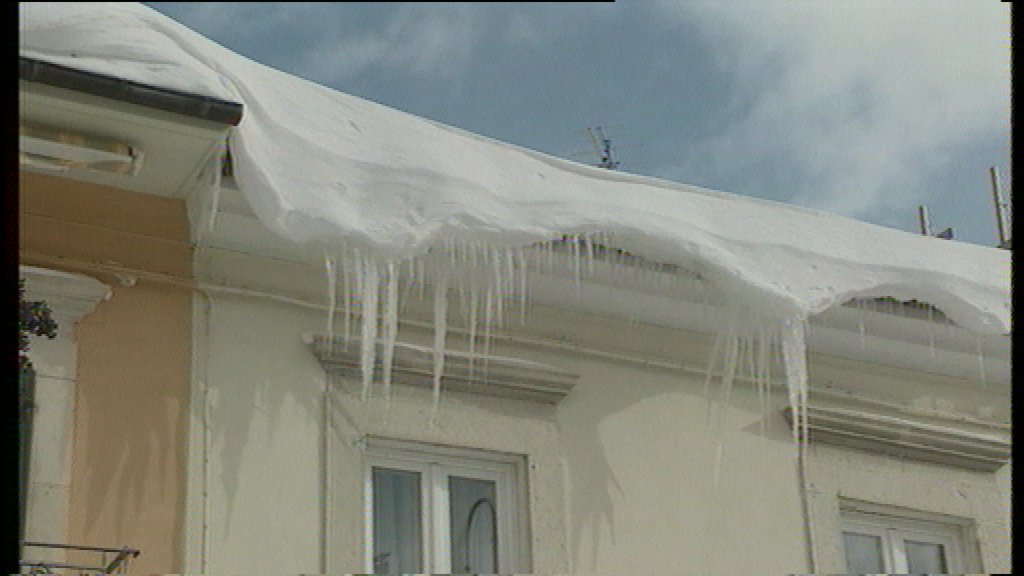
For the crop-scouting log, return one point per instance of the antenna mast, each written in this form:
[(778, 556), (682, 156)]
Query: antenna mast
[(926, 225), (1002, 209), (604, 149)]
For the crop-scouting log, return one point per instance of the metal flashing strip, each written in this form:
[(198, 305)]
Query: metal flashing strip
[(192, 105), (413, 366), (906, 438)]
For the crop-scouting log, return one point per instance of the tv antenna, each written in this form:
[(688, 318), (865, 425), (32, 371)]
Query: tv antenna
[(1002, 210), (603, 145), (926, 225)]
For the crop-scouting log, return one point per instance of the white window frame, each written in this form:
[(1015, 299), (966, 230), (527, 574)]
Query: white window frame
[(895, 530), (436, 464)]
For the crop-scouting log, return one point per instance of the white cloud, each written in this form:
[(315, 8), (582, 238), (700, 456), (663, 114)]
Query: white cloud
[(424, 39), (861, 98)]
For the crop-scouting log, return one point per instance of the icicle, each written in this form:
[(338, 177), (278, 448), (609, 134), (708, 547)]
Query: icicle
[(332, 296), (488, 302), (390, 326), (463, 300), (496, 266), (521, 257), (752, 358), (440, 331), (719, 337), (405, 292), (509, 286), (931, 331), (732, 352), (215, 189), (860, 323), (473, 301), (346, 289), (763, 376), (421, 275), (576, 264), (500, 290), (794, 354), (510, 271), (452, 256), (370, 295), (981, 361), (588, 245)]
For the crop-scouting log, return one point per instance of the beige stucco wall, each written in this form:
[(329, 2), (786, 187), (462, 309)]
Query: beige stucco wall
[(128, 434), (976, 497), (621, 471)]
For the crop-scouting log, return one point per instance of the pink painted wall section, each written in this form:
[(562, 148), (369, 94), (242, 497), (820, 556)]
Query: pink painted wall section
[(129, 432)]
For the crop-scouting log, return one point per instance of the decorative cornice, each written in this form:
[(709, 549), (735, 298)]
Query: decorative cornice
[(68, 295), (905, 438), (413, 365)]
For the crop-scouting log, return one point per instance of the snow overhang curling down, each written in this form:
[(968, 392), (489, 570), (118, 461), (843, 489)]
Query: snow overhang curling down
[(319, 166)]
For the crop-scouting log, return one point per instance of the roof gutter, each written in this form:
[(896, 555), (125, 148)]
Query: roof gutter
[(186, 104)]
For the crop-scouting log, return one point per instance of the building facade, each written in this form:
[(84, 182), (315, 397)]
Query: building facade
[(202, 403)]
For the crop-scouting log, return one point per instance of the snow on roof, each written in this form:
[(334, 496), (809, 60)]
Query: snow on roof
[(321, 166)]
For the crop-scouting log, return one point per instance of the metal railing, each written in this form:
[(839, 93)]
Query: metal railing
[(112, 560)]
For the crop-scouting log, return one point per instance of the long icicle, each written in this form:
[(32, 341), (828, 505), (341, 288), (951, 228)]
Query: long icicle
[(440, 332), (762, 370), (332, 295), (717, 343), (346, 292), (794, 355), (794, 351), (731, 358), (216, 186), (521, 258), (488, 320), (370, 295), (390, 326), (473, 305)]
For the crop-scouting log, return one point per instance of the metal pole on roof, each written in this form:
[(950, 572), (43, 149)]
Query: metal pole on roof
[(926, 224), (1001, 208)]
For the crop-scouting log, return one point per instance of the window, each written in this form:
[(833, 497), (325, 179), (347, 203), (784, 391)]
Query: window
[(876, 542), (443, 510)]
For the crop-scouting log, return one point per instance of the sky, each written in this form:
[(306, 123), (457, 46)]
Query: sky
[(864, 108)]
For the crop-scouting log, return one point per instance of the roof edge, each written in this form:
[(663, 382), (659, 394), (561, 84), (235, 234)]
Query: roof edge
[(186, 104)]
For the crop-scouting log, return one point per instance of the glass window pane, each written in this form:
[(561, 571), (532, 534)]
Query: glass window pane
[(925, 557), (397, 525), (474, 526), (863, 553)]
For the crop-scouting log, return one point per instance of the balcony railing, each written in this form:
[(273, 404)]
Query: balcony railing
[(111, 560)]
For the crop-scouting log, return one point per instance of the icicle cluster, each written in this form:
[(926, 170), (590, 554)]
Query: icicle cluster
[(746, 346), (485, 281)]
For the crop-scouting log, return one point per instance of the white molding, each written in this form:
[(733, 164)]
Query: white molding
[(70, 296), (902, 437), (413, 365)]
